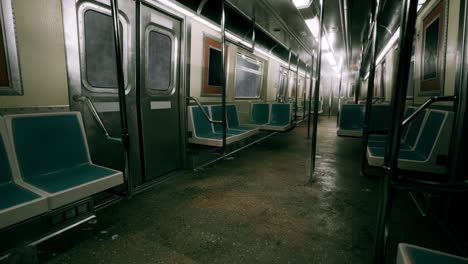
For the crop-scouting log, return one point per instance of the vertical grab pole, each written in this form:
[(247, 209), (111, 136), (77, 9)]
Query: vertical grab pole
[(223, 95), (317, 94), (370, 87), (304, 94), (310, 93), (286, 90), (297, 87), (407, 29), (357, 91), (121, 91), (339, 95)]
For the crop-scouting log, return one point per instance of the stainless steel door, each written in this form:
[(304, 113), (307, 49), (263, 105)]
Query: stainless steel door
[(91, 69), (160, 111)]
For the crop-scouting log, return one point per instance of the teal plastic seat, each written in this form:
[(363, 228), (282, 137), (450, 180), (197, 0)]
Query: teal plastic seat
[(11, 193), (425, 144), (217, 113), (52, 155), (203, 128), (409, 136), (233, 119), (352, 117), (260, 114), (380, 118), (17, 202), (280, 115)]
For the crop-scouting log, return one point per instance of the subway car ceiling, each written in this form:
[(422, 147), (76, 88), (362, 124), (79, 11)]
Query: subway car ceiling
[(103, 99)]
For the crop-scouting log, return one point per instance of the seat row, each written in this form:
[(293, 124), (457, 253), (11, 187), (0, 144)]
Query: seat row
[(424, 143), (45, 164), (271, 116), (265, 116), (351, 120), (305, 106)]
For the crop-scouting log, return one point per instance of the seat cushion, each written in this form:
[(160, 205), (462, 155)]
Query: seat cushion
[(404, 154), (12, 195), (70, 177), (417, 255), (280, 115), (260, 114)]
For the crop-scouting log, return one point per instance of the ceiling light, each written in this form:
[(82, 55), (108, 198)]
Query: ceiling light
[(302, 3), (314, 26)]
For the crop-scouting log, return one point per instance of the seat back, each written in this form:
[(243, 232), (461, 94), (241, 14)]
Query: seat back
[(430, 132), (5, 168), (232, 118), (201, 125), (217, 114), (414, 129), (260, 113), (280, 114), (352, 116), (381, 117), (45, 143)]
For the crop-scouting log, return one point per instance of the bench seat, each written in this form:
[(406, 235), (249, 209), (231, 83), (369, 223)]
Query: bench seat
[(432, 143), (202, 131), (351, 120), (55, 158), (216, 113), (17, 203)]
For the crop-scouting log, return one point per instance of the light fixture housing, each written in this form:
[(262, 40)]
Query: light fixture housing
[(300, 4)]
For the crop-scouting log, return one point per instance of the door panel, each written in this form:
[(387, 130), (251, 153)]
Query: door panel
[(160, 54)]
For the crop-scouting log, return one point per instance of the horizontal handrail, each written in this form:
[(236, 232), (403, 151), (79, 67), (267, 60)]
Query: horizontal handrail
[(96, 117), (204, 112), (425, 105)]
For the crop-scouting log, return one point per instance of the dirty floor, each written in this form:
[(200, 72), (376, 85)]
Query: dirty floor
[(260, 207)]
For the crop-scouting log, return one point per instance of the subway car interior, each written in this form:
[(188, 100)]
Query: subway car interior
[(233, 131)]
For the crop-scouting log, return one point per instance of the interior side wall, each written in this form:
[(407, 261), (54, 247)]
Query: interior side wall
[(41, 51)]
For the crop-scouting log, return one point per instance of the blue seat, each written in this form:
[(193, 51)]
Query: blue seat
[(280, 117), (217, 113), (260, 114), (203, 132), (433, 141), (380, 118), (409, 135), (17, 203), (351, 120), (404, 132), (410, 254), (233, 119), (55, 157)]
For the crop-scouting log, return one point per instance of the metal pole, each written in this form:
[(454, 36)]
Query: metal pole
[(121, 92), (357, 91), (297, 87), (330, 100), (317, 94), (285, 91), (310, 94), (370, 88), (339, 95), (304, 93), (457, 150), (407, 30), (223, 95)]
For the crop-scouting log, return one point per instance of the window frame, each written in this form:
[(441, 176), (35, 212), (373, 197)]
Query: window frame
[(12, 64), (87, 6), (261, 73), (210, 41), (174, 44)]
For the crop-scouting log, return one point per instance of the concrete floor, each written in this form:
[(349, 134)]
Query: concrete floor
[(259, 207)]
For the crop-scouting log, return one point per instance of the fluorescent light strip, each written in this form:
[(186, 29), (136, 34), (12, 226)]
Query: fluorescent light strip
[(215, 27), (389, 45), (300, 4)]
